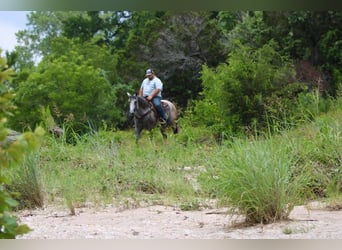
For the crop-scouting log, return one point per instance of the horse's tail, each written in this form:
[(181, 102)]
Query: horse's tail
[(173, 116)]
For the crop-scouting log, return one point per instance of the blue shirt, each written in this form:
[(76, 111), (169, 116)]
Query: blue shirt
[(149, 86)]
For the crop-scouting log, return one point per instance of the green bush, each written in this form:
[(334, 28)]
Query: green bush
[(77, 92), (235, 94)]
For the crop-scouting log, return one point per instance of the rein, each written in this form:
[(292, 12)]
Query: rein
[(140, 116)]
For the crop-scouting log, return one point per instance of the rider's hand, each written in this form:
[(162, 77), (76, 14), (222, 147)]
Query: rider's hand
[(149, 98)]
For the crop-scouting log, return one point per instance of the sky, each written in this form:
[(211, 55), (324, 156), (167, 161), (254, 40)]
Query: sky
[(10, 23)]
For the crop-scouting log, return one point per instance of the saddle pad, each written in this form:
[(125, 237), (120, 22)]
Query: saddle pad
[(164, 104)]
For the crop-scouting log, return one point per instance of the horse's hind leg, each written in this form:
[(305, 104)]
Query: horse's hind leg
[(162, 130), (175, 128)]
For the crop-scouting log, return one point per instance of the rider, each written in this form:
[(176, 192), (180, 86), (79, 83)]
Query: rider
[(151, 88)]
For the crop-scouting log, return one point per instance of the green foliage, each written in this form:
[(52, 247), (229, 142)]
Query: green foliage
[(9, 225), (35, 41), (263, 178), (95, 55), (25, 180), (294, 105), (91, 59), (227, 20), (102, 26), (250, 30), (192, 133), (176, 45), (12, 151), (320, 153), (209, 111), (122, 44), (78, 92), (236, 93), (309, 35)]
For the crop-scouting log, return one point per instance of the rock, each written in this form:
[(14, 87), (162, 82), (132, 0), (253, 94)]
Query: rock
[(56, 131)]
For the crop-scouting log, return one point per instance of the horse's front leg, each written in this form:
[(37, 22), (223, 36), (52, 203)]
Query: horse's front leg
[(138, 130), (151, 135)]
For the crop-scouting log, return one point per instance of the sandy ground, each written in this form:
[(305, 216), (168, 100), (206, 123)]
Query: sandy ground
[(165, 222)]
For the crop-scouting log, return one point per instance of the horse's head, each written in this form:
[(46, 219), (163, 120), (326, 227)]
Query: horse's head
[(137, 103), (132, 99)]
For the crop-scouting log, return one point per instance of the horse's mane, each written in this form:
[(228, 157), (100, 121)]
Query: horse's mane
[(142, 102)]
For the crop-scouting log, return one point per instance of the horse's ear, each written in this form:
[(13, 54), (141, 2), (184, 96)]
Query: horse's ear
[(129, 95)]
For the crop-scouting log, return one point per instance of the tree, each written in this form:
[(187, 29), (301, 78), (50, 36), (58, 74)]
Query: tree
[(313, 36), (236, 93), (175, 44), (77, 92), (60, 36), (249, 29), (102, 26), (42, 28), (12, 151)]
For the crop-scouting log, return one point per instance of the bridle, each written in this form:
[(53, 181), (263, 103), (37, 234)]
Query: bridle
[(137, 114)]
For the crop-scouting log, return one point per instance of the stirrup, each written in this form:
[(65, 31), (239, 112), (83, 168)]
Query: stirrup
[(162, 121)]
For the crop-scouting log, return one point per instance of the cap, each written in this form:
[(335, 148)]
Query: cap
[(149, 72)]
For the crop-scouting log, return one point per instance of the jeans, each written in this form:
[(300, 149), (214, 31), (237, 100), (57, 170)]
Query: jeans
[(157, 103)]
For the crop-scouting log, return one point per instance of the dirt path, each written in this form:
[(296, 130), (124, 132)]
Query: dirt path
[(165, 222)]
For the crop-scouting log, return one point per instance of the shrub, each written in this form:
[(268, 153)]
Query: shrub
[(236, 93)]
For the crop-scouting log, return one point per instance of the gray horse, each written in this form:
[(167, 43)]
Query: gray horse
[(147, 117)]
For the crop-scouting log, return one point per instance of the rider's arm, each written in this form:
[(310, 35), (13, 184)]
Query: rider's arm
[(153, 94), (141, 91)]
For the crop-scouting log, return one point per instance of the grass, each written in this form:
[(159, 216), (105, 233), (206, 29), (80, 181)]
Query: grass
[(265, 177), (297, 230), (108, 167), (262, 178), (256, 177), (26, 181)]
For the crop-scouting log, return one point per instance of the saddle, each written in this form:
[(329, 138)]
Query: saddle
[(165, 107)]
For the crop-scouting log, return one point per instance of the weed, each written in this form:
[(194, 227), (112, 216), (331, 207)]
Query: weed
[(297, 230), (26, 181)]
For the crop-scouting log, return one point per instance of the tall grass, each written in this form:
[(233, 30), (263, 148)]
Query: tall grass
[(265, 177), (256, 178), (320, 152), (26, 181), (108, 167)]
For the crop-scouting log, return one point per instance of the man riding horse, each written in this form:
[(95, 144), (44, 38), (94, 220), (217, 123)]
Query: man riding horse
[(151, 88)]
